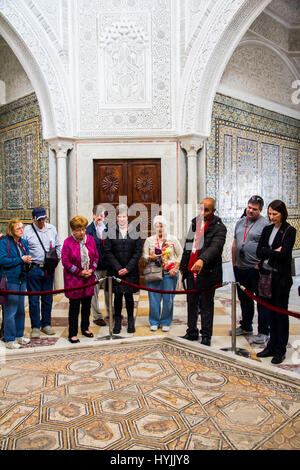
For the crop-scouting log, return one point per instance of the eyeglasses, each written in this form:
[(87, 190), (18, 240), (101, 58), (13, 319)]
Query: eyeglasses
[(256, 199), (80, 230)]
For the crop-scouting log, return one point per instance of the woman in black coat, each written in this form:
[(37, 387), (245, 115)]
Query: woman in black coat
[(275, 251), (122, 250)]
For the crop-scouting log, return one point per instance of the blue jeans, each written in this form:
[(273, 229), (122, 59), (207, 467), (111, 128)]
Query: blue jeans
[(249, 279), (164, 316), (14, 313), (37, 281)]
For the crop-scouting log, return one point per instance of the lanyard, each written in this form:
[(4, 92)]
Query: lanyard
[(157, 244), (246, 232)]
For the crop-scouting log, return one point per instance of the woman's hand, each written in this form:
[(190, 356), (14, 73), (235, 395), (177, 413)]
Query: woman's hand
[(86, 273), (153, 257), (123, 272), (27, 259), (173, 272)]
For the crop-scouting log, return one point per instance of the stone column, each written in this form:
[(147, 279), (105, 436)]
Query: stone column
[(192, 144), (61, 148)]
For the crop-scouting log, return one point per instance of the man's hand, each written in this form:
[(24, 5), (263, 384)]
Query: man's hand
[(198, 266)]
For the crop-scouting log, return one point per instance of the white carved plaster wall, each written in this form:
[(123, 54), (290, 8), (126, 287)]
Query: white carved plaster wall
[(217, 40), (30, 43), (269, 28), (126, 67), (257, 69)]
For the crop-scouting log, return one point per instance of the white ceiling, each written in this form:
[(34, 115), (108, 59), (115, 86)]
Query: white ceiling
[(287, 11)]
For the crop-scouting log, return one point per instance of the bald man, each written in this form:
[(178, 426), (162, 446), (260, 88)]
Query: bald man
[(201, 268)]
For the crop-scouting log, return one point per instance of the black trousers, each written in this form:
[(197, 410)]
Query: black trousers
[(118, 302), (74, 309), (205, 300), (279, 323)]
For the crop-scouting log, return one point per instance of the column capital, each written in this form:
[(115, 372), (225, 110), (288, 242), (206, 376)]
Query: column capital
[(191, 143), (61, 146)]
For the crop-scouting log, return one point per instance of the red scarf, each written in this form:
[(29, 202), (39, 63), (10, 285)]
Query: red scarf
[(199, 235)]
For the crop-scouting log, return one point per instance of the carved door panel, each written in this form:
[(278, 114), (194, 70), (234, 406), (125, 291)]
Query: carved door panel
[(139, 180)]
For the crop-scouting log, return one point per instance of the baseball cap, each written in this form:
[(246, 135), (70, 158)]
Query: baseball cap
[(39, 213)]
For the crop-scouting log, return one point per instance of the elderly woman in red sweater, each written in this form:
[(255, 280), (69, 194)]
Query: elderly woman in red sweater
[(79, 258)]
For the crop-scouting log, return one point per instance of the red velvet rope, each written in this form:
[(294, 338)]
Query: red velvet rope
[(191, 291), (269, 306), (60, 291)]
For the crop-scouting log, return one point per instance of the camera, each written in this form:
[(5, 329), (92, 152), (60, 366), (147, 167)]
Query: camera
[(158, 262), (157, 251), (242, 253), (25, 267)]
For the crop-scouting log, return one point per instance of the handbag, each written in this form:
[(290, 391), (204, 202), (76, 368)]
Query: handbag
[(265, 285), (3, 286), (51, 258), (152, 272)]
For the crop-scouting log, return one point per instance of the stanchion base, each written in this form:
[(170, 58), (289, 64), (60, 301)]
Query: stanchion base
[(238, 351), (108, 337)]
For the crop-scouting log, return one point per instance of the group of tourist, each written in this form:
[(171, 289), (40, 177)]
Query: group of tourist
[(90, 254)]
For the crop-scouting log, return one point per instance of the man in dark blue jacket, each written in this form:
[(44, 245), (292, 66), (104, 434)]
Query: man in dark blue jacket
[(98, 230)]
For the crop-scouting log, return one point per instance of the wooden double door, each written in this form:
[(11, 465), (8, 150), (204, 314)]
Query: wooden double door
[(138, 180)]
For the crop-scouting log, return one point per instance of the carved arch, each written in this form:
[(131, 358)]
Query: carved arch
[(42, 66), (208, 58)]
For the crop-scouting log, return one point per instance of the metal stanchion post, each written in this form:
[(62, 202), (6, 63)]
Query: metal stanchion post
[(111, 336), (238, 351)]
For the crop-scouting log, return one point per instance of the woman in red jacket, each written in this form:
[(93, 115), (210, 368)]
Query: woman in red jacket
[(79, 258)]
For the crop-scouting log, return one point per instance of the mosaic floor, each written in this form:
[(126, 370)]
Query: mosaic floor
[(159, 394), (149, 390)]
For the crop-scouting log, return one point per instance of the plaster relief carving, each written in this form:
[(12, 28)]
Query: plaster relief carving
[(125, 59)]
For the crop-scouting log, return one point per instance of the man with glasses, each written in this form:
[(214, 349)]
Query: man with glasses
[(245, 266), (98, 230), (40, 235)]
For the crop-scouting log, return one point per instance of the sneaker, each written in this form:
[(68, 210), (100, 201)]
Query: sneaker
[(239, 332), (165, 328), (153, 328), (259, 339), (48, 330), (35, 333), (23, 340), (12, 345)]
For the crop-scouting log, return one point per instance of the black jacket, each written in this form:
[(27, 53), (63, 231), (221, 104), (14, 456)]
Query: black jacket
[(123, 253), (210, 253), (91, 230), (280, 260)]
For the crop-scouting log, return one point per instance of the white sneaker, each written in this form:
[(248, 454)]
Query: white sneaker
[(165, 328), (153, 328), (259, 339), (23, 340), (12, 345)]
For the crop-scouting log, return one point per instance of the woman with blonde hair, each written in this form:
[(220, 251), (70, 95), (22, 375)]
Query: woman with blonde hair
[(164, 250), (15, 262), (79, 258)]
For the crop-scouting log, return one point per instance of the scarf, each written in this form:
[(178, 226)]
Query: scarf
[(199, 234), (84, 253)]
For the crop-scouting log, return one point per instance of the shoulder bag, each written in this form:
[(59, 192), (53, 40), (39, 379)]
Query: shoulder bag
[(152, 272), (51, 258)]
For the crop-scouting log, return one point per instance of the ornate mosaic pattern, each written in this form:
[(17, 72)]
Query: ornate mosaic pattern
[(149, 395), (252, 151), (24, 161)]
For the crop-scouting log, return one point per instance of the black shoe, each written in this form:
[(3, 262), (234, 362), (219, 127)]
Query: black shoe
[(205, 341), (118, 325), (74, 340), (88, 334), (190, 338), (130, 326), (278, 359), (100, 322), (265, 353)]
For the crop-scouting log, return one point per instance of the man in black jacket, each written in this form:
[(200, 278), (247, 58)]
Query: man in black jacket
[(201, 268), (98, 230)]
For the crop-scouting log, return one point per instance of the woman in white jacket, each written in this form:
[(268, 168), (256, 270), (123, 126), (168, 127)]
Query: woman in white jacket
[(165, 249)]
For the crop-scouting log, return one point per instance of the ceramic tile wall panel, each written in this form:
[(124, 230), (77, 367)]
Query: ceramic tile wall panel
[(24, 172), (252, 151)]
